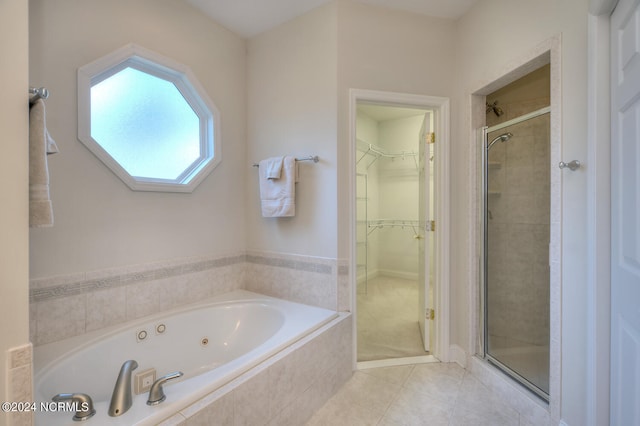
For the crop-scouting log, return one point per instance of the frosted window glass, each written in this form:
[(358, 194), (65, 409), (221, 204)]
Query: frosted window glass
[(145, 124)]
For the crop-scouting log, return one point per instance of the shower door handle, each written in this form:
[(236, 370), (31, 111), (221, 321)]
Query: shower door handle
[(572, 165)]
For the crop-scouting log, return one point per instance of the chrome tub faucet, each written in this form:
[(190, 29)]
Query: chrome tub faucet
[(121, 399), (156, 393), (84, 408)]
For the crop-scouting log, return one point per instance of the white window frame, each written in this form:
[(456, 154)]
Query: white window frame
[(185, 81)]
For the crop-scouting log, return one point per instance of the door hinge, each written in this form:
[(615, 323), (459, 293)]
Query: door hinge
[(432, 225), (431, 138), (430, 314)]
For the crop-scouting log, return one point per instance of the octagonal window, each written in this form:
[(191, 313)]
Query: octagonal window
[(148, 120)]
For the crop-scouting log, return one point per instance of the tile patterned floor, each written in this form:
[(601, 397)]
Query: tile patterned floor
[(421, 395), (388, 319)]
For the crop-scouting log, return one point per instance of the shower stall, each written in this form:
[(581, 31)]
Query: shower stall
[(515, 165)]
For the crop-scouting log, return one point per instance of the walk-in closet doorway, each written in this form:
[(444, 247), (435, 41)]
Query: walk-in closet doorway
[(398, 233)]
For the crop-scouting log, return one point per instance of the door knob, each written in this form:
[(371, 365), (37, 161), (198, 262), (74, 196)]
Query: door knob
[(572, 165)]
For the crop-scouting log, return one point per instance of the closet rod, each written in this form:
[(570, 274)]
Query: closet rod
[(378, 152), (382, 153)]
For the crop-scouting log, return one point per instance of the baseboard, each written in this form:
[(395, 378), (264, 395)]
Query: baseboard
[(458, 355), (387, 273), (368, 276), (398, 274)]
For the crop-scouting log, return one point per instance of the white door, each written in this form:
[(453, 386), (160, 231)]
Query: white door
[(425, 234), (625, 213)]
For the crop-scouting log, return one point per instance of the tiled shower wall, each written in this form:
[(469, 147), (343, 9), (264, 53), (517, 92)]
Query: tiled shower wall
[(70, 305), (519, 215), (518, 235)]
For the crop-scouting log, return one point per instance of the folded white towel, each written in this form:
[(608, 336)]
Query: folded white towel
[(278, 195), (272, 167), (40, 145)]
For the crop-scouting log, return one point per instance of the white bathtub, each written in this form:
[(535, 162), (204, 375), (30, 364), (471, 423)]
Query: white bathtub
[(211, 343)]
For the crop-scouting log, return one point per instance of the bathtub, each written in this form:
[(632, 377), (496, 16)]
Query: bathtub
[(211, 342)]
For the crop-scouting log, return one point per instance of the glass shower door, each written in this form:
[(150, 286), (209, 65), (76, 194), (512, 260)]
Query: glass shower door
[(516, 246)]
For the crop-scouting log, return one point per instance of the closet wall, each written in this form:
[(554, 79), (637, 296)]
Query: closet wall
[(398, 185), (387, 196), (367, 198)]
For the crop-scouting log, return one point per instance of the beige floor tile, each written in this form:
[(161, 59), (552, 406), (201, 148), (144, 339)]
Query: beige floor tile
[(476, 398), (441, 369), (369, 392), (397, 375), (418, 409), (338, 412), (388, 320), (430, 395), (463, 417), (439, 381)]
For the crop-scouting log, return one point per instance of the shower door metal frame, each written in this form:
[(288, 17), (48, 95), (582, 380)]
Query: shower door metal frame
[(483, 136)]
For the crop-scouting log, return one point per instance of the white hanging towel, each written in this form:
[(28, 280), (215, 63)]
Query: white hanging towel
[(278, 196), (40, 145), (272, 167)]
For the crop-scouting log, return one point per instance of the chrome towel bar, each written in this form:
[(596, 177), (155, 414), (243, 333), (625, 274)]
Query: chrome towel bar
[(37, 93), (313, 158)]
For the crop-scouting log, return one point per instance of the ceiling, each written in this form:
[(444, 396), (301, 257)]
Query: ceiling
[(386, 112), (250, 17)]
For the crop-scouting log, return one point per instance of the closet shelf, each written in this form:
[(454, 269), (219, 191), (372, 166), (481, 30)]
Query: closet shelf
[(414, 225), (373, 153)]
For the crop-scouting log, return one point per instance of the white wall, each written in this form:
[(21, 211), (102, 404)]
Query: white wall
[(399, 191), (99, 222), (298, 76), (14, 175), (493, 35), (382, 49), (292, 111)]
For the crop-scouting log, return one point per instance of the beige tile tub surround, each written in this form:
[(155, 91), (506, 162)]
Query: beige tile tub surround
[(303, 279), (67, 306), (287, 389), (19, 383), (70, 305)]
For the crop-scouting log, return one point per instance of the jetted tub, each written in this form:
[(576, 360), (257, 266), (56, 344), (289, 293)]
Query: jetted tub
[(211, 342)]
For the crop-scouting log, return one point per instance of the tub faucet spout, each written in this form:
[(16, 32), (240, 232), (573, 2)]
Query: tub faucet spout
[(121, 398)]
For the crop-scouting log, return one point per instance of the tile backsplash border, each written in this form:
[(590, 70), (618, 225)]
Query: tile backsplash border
[(70, 305), (73, 284)]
